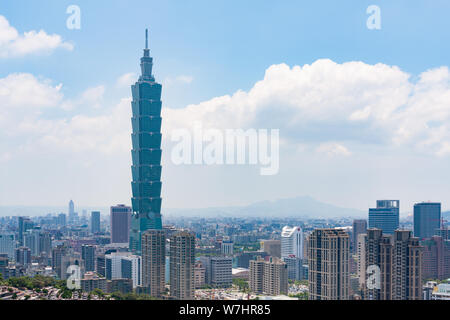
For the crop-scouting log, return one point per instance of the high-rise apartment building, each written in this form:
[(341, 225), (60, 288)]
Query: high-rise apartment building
[(146, 153), (406, 267), (95, 221), (427, 219), (359, 227), (292, 242), (436, 258), (120, 223), (385, 216), (182, 262), (268, 277), (393, 266), (328, 264), (153, 261)]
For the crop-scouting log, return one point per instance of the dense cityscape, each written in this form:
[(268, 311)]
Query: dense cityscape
[(133, 252), (228, 258)]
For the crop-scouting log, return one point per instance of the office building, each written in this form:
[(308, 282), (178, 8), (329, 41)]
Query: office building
[(62, 219), (294, 267), (23, 256), (123, 265), (95, 222), (182, 262), (7, 244), (268, 277), (120, 223), (146, 153), (88, 256), (218, 271), (359, 227), (227, 248), (385, 216), (328, 264), (427, 219), (292, 242), (271, 247), (153, 261), (24, 225)]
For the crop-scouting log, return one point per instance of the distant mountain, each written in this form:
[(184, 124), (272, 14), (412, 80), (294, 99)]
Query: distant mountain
[(304, 207)]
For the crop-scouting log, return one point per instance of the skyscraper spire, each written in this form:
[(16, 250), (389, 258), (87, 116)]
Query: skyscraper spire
[(146, 38)]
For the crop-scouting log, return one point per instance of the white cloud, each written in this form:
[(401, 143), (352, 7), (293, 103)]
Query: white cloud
[(333, 149), (181, 79), (126, 80), (13, 44), (327, 101)]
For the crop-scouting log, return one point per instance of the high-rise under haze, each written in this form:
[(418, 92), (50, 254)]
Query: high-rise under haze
[(146, 153), (385, 216), (427, 219)]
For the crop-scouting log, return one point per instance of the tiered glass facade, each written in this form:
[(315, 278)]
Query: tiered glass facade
[(146, 153)]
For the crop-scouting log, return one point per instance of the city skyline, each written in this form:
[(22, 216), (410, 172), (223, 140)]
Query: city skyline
[(79, 127)]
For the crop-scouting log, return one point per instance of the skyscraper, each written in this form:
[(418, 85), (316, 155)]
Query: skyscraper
[(292, 242), (385, 216), (182, 262), (72, 213), (153, 261), (95, 221), (359, 227), (328, 264), (427, 219), (120, 223), (24, 225), (146, 153)]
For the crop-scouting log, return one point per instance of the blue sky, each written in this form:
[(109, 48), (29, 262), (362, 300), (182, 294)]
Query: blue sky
[(207, 49)]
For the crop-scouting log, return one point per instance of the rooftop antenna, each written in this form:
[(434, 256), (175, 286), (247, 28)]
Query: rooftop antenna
[(146, 38)]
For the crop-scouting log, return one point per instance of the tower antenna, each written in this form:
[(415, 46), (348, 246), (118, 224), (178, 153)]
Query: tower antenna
[(146, 38)]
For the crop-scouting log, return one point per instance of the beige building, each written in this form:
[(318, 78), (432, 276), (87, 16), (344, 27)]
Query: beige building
[(268, 277), (272, 247), (199, 275), (153, 261), (182, 262), (328, 264)]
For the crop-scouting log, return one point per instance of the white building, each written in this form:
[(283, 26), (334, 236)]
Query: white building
[(124, 265), (292, 242)]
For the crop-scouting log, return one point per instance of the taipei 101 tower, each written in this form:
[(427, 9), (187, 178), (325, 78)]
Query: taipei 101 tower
[(146, 153)]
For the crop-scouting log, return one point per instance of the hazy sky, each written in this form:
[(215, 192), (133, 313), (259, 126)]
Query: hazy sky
[(363, 114)]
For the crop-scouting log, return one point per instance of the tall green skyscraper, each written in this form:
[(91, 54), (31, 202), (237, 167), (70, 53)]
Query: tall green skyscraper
[(146, 153)]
